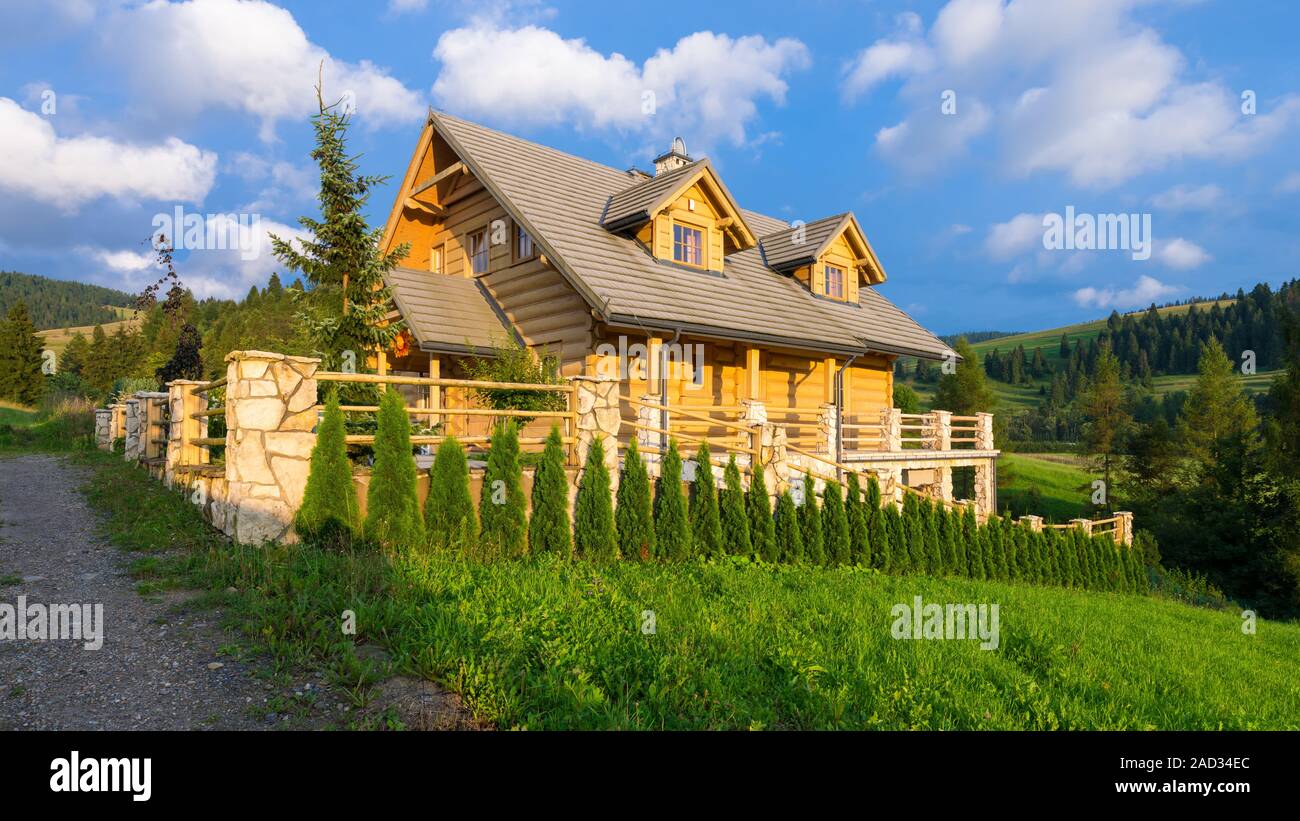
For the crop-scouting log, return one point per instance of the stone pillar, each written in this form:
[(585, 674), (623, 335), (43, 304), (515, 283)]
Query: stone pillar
[(1035, 522), (891, 430), (780, 471), (941, 430), (1124, 528), (598, 415), (890, 479), (984, 432), (984, 498), (270, 418), (1083, 524), (184, 429), (651, 417), (103, 428), (828, 431), (131, 452)]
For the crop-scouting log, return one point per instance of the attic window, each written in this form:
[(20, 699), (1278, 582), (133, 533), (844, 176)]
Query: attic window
[(688, 245), (524, 247), (477, 248), (834, 281)]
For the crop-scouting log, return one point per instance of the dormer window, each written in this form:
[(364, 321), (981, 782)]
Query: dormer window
[(688, 245), (524, 247), (834, 279), (476, 247)]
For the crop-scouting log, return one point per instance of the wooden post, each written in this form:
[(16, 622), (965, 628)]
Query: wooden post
[(754, 373), (828, 388)]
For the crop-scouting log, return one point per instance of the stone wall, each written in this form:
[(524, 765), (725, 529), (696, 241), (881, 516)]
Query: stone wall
[(596, 402)]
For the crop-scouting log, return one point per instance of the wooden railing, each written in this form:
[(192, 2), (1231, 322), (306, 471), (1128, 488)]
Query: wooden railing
[(676, 420)]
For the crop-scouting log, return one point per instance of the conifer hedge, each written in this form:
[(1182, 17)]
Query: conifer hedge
[(548, 527), (633, 517), (594, 534), (329, 516), (393, 517), (672, 529), (734, 517), (502, 512), (706, 526), (450, 522)]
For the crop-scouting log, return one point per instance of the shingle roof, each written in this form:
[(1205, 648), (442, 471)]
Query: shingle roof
[(447, 314), (781, 252), (560, 200), (636, 201)]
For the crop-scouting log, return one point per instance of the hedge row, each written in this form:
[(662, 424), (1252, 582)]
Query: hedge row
[(848, 526)]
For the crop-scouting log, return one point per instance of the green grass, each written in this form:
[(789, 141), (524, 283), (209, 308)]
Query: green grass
[(1062, 479), (551, 644), (16, 415)]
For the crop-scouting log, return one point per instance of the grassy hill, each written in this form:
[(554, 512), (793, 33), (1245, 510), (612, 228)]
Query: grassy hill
[(56, 339), (1062, 479)]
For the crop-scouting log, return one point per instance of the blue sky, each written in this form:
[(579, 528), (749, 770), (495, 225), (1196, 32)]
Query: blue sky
[(950, 129)]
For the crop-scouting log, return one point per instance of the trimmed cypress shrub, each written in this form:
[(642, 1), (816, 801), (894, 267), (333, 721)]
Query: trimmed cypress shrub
[(859, 531), (810, 523), (762, 530), (393, 517), (930, 527), (732, 512), (672, 530), (449, 519), (997, 549), (878, 541), (1055, 558), (974, 559), (549, 530), (706, 525), (835, 525), (594, 536), (944, 524), (895, 560), (1070, 559), (913, 535), (329, 516), (502, 514), (632, 518), (789, 538)]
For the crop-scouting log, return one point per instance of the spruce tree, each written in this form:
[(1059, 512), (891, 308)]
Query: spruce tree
[(393, 517), (789, 538), (810, 524), (672, 530), (706, 524), (329, 515), (857, 515), (835, 525), (503, 519), (450, 522), (20, 358), (594, 534), (632, 518), (762, 530), (734, 516), (548, 527)]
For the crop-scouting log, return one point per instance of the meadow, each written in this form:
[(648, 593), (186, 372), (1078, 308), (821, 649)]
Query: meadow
[(550, 644), (1063, 481)]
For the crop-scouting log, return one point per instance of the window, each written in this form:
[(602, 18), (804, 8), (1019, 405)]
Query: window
[(524, 248), (435, 260), (834, 281), (476, 247), (688, 245)]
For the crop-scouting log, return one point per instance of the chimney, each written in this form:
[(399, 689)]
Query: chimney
[(675, 158)]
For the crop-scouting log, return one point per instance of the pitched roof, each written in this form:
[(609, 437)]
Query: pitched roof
[(561, 199), (448, 314), (639, 200), (781, 252)]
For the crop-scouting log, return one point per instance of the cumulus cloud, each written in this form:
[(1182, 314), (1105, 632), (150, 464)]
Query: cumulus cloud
[(1021, 233), (1101, 108), (1144, 292), (245, 55), (706, 86), (1181, 254), (70, 171), (1189, 198)]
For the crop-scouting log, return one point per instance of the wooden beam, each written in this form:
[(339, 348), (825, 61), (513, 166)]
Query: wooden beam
[(654, 368), (432, 210), (830, 380), (754, 373), (457, 167)]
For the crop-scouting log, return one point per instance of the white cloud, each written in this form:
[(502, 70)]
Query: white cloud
[(1144, 292), (1021, 233), (879, 62), (122, 260), (245, 55), (1181, 254), (1290, 184), (707, 86), (404, 6), (1189, 198), (1078, 87), (71, 171)]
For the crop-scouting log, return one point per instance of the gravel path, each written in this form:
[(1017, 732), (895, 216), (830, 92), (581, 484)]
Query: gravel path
[(158, 669)]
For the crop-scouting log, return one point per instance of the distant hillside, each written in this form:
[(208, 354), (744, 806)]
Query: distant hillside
[(57, 303), (977, 336)]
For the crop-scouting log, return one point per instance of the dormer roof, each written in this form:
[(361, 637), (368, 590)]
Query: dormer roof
[(639, 202), (800, 245)]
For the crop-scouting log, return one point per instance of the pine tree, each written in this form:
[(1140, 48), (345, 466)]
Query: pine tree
[(706, 524), (672, 530), (810, 524), (20, 358), (758, 507), (789, 538), (98, 368), (329, 514), (735, 518), (548, 527), (878, 540), (75, 355), (835, 525), (964, 392), (633, 518), (450, 522), (393, 517), (594, 535), (859, 532), (503, 519)]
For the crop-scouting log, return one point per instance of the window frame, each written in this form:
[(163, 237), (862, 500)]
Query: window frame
[(520, 234), (703, 246), (470, 253), (827, 267), (440, 250)]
